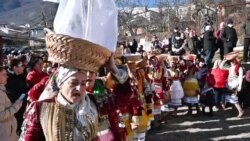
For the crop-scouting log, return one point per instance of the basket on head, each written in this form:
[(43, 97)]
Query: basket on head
[(162, 57), (189, 57), (131, 64), (152, 54), (174, 59), (231, 55), (133, 57), (141, 63), (75, 52)]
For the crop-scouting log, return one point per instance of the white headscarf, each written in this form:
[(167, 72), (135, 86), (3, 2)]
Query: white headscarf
[(63, 74), (51, 90)]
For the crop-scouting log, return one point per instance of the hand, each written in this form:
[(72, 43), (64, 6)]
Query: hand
[(111, 60), (111, 64)]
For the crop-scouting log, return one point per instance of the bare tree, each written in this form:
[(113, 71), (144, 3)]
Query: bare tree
[(130, 17)]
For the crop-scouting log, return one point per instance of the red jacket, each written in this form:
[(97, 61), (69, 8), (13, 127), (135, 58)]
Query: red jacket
[(220, 77), (34, 77), (36, 82), (35, 92)]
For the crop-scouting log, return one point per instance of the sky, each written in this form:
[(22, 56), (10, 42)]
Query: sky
[(152, 3), (6, 5)]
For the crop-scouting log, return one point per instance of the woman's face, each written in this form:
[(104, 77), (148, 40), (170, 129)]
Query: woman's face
[(3, 77), (91, 76), (39, 65), (74, 87), (154, 61), (141, 73)]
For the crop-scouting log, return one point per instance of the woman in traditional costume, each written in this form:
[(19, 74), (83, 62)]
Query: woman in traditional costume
[(127, 106), (234, 81), (71, 114), (176, 90), (111, 126), (105, 106), (190, 84), (156, 75), (145, 91)]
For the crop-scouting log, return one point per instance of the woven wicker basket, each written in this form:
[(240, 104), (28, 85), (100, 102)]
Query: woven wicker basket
[(189, 57), (141, 63), (75, 52), (132, 57), (174, 59), (231, 55), (162, 57)]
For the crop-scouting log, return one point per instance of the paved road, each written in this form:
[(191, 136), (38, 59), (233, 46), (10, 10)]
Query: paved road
[(223, 126)]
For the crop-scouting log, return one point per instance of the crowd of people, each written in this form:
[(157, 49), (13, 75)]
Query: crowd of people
[(129, 96)]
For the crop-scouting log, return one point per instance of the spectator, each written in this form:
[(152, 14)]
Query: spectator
[(36, 74), (24, 60), (133, 47), (176, 33), (246, 30), (7, 110), (16, 86), (125, 49), (229, 37), (219, 41), (36, 78), (208, 44), (177, 48)]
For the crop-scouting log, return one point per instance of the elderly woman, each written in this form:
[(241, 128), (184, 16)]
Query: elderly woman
[(8, 121), (71, 115)]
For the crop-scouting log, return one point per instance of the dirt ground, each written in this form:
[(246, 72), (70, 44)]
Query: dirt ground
[(223, 126)]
